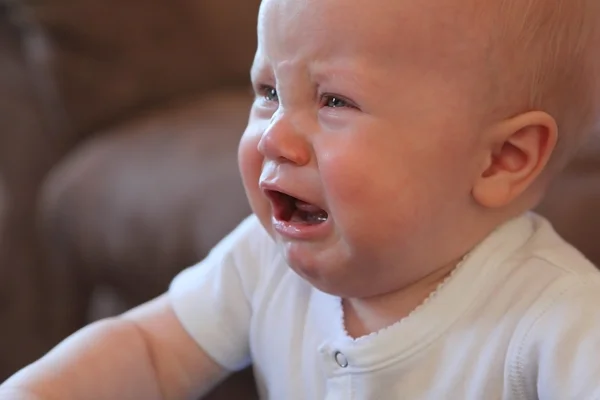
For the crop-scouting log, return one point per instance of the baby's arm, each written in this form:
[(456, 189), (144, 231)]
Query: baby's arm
[(146, 353), (143, 354)]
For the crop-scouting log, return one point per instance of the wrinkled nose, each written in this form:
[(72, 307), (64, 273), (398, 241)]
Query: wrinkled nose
[(284, 142)]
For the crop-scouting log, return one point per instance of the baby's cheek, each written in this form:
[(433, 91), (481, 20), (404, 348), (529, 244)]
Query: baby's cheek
[(344, 184), (249, 158), (355, 195), (367, 197), (250, 162), (359, 181)]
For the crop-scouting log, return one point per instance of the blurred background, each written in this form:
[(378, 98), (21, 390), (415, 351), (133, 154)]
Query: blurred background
[(119, 123)]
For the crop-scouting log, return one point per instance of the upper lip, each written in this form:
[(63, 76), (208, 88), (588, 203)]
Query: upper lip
[(269, 188)]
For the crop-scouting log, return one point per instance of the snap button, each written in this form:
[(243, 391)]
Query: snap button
[(340, 359)]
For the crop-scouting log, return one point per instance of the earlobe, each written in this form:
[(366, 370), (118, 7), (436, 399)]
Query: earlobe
[(517, 152), (491, 193)]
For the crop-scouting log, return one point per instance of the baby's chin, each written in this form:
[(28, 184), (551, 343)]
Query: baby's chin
[(327, 273), (326, 283)]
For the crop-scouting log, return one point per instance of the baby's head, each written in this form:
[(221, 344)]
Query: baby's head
[(388, 137)]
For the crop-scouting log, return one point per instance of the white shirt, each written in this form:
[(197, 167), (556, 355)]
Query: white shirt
[(520, 319)]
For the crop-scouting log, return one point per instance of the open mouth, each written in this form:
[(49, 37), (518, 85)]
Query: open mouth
[(290, 209)]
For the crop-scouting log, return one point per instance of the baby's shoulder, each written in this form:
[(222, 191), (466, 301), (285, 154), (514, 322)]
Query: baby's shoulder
[(552, 251), (565, 309), (570, 297), (558, 288), (555, 346), (565, 277)]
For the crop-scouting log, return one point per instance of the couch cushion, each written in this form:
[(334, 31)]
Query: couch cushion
[(109, 57), (3, 208), (141, 201)]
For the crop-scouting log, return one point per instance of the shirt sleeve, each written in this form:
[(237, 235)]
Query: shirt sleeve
[(213, 299), (559, 354)]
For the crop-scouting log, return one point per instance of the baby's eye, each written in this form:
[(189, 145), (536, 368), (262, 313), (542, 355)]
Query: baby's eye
[(335, 102), (269, 93)]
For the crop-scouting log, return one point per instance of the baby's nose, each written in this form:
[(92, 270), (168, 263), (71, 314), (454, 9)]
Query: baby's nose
[(283, 142)]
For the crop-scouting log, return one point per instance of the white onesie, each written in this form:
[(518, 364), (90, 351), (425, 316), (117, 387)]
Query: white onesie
[(520, 319)]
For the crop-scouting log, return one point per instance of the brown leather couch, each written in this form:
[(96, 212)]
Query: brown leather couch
[(119, 124), (119, 128)]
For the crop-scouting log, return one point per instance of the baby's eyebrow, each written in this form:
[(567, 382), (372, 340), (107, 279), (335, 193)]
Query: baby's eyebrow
[(261, 71), (260, 65), (322, 71), (350, 74)]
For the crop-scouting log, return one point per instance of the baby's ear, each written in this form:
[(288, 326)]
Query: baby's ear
[(517, 150)]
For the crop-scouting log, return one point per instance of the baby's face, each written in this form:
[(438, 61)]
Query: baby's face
[(363, 140)]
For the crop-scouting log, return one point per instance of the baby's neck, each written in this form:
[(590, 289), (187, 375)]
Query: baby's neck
[(368, 315)]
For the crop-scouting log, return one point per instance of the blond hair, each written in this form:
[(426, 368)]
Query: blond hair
[(545, 55)]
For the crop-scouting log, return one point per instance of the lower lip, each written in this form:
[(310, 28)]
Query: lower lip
[(301, 231)]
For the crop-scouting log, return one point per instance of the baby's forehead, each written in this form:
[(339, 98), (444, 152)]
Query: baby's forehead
[(433, 31), (381, 11)]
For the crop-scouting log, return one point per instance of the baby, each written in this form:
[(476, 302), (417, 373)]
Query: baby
[(392, 153)]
